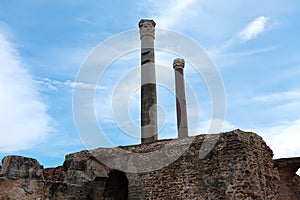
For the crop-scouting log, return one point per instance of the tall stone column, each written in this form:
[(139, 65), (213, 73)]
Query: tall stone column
[(148, 82), (182, 126)]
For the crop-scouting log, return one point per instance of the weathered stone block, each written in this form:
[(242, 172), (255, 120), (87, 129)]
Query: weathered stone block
[(15, 167)]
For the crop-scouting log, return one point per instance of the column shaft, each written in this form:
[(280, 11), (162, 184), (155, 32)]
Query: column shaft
[(182, 125), (148, 83)]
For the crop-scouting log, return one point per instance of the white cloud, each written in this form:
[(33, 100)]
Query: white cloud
[(278, 96), (170, 13), (213, 19), (254, 28), (23, 118), (284, 102), (283, 139), (55, 85)]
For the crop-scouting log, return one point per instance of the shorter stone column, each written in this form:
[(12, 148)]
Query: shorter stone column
[(182, 126)]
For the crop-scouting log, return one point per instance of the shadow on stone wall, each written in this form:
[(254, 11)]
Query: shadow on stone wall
[(116, 186), (289, 185)]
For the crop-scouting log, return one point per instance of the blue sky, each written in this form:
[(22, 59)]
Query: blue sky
[(254, 45)]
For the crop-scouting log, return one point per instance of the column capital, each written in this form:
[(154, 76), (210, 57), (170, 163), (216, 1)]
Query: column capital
[(178, 63), (147, 28)]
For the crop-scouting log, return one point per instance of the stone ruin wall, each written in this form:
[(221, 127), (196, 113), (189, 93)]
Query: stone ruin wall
[(240, 166), (289, 184)]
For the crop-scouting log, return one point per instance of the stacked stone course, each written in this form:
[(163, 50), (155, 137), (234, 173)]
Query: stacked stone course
[(239, 166)]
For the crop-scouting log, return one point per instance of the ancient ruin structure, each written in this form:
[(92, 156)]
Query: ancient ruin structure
[(289, 184), (239, 167), (182, 125), (148, 87)]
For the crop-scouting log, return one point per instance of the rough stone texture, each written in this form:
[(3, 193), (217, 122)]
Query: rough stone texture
[(239, 166), (15, 167), (289, 181)]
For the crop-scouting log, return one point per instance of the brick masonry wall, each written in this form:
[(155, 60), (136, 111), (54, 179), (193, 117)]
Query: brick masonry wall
[(239, 166)]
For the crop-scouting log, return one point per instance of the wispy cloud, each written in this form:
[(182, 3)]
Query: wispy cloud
[(47, 84), (254, 28), (24, 121), (170, 13), (283, 138), (284, 102), (251, 31), (278, 96), (280, 110)]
